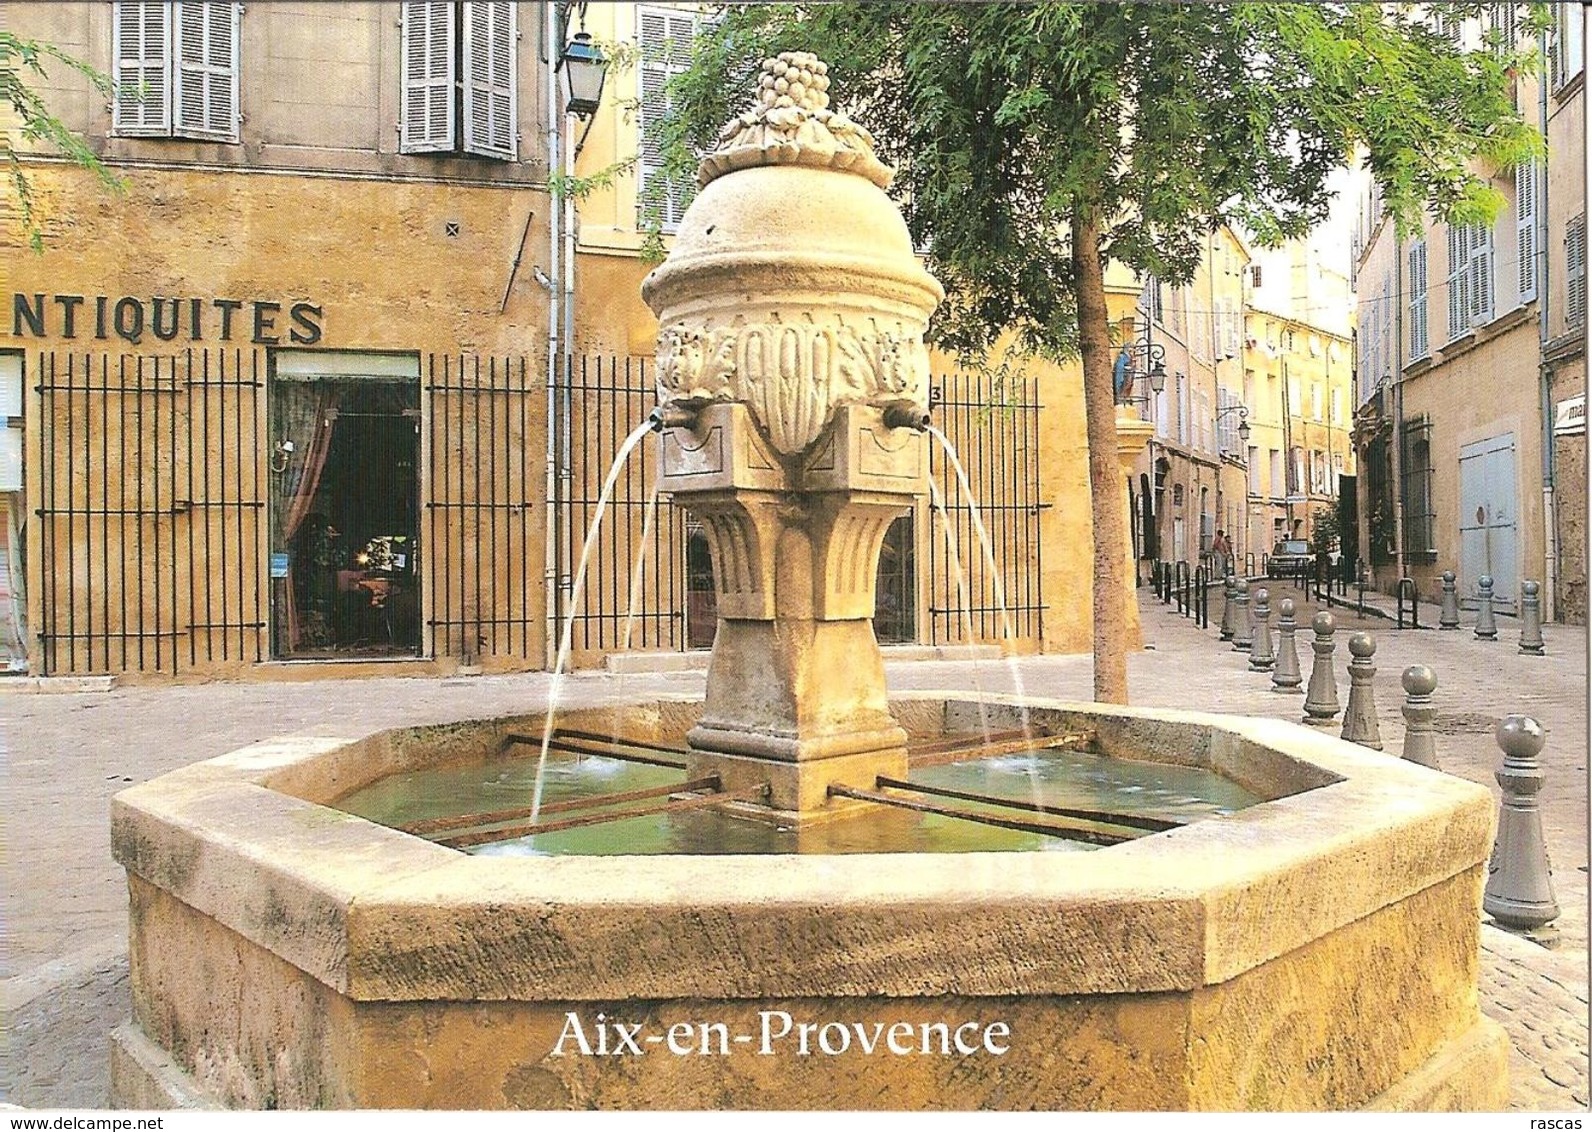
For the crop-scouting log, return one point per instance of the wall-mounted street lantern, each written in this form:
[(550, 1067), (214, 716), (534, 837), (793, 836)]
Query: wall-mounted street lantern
[(585, 67), (1243, 420), (1139, 358)]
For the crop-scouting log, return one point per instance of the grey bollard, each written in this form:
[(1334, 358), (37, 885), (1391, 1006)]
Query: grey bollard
[(1243, 628), (1321, 698), (1359, 717), (1228, 584), (1531, 620), (1449, 617), (1420, 731), (1519, 891), (1285, 676), (1486, 626), (1261, 658)]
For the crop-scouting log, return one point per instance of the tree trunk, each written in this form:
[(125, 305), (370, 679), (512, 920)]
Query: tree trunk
[(1105, 476)]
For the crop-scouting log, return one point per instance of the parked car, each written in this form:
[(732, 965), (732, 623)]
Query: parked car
[(1286, 557)]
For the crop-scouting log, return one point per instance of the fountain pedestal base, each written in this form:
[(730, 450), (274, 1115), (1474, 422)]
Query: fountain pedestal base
[(796, 690)]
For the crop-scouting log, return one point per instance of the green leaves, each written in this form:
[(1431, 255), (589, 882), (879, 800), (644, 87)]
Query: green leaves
[(18, 56), (1167, 119)]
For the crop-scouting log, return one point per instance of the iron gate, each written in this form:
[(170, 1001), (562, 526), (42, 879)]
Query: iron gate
[(146, 485), (482, 532), (993, 423), (608, 397)]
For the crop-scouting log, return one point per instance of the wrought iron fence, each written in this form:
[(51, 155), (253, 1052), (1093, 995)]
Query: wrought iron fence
[(483, 525), (148, 488), (145, 482), (993, 423)]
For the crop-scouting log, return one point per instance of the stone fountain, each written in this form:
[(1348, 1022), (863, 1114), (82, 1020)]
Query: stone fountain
[(792, 313), (1317, 950)]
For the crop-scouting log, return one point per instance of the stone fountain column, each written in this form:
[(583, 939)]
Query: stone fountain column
[(792, 371)]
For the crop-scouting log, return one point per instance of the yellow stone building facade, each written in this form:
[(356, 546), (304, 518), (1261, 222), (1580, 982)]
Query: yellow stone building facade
[(1190, 484), (1471, 415), (285, 393), (331, 386)]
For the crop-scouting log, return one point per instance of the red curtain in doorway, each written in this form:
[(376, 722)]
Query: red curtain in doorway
[(307, 419)]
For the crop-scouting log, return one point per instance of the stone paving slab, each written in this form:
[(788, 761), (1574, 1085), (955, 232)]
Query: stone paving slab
[(64, 969)]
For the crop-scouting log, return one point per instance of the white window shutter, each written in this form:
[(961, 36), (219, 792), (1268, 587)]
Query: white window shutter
[(426, 99), (1575, 272), (1481, 274), (490, 128), (141, 30), (205, 69), (1526, 229), (1458, 281), (665, 37), (1420, 342)]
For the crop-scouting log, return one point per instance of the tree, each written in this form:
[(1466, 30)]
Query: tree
[(17, 57), (1036, 141)]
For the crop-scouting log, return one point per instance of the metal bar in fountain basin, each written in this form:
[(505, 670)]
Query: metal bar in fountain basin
[(1134, 821), (1000, 743), (1066, 832), (584, 743), (462, 840), (469, 821)]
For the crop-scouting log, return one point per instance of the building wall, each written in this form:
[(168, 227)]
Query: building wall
[(312, 264), (292, 116), (1199, 328), (1565, 352)]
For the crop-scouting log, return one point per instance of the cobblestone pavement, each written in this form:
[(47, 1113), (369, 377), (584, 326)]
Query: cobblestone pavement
[(64, 964)]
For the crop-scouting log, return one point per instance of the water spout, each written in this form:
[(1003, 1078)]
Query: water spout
[(675, 414), (906, 414)]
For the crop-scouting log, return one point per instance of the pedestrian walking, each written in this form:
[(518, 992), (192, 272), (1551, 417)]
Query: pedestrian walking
[(1221, 552)]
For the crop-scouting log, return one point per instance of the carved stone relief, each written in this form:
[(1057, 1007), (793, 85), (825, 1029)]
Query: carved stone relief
[(793, 374)]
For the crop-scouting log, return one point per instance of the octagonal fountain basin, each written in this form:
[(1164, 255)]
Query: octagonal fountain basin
[(1298, 931)]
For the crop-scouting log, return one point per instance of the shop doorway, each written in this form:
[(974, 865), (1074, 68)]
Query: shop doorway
[(344, 556)]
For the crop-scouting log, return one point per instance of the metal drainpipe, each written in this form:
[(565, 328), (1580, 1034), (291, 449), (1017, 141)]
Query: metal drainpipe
[(1550, 529), (1398, 406), (555, 151)]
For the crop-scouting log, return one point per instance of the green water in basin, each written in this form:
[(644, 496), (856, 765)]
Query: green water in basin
[(1073, 779)]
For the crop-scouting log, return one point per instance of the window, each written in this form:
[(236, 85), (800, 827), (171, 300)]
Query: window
[(1565, 46), (1526, 230), (1254, 470), (1150, 300), (176, 69), (1575, 272), (1277, 489), (665, 37), (1420, 345), (1227, 422), (1470, 277), (1419, 513), (1501, 32), (459, 79)]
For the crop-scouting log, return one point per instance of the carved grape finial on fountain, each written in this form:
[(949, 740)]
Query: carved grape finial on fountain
[(791, 124)]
